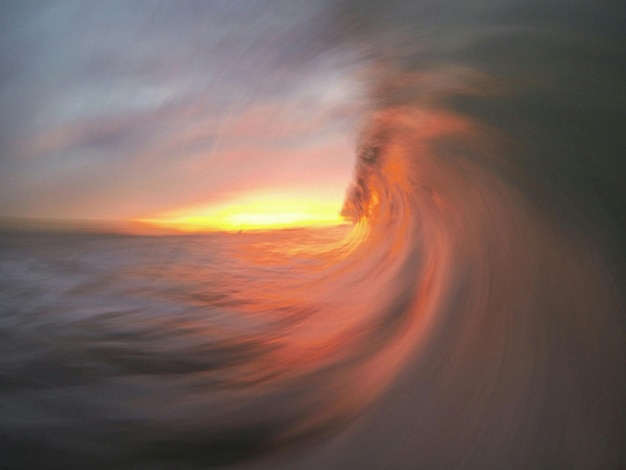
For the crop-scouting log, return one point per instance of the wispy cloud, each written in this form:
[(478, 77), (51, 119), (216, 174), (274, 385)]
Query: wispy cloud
[(106, 103)]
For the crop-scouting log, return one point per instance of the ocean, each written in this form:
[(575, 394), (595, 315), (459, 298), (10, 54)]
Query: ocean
[(470, 316)]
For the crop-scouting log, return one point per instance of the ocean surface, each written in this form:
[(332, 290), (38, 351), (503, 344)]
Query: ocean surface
[(471, 316)]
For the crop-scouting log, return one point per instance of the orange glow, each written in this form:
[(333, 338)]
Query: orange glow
[(260, 212)]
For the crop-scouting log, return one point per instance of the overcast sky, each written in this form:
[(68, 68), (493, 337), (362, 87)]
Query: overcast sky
[(118, 109)]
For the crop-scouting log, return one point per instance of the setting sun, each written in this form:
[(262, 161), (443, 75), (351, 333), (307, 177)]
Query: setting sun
[(264, 212)]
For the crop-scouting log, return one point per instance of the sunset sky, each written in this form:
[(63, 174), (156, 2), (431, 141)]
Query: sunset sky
[(113, 110)]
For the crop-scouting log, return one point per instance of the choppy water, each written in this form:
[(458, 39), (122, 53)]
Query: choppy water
[(474, 318), (208, 348)]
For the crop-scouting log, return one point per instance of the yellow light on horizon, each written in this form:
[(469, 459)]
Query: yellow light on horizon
[(264, 212)]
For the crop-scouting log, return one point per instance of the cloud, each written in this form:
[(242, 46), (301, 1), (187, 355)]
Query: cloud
[(157, 104)]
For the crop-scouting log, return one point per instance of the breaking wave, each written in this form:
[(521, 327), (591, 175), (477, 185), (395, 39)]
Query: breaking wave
[(471, 318)]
